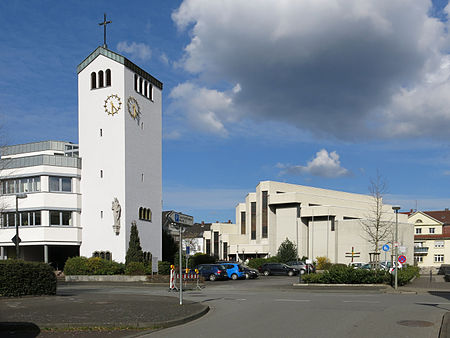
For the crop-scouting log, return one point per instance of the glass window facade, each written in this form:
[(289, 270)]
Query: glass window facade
[(57, 184), (20, 185), (60, 217), (243, 223), (253, 220), (265, 216), (26, 218)]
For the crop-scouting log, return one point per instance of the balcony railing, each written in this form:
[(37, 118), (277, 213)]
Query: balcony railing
[(420, 250)]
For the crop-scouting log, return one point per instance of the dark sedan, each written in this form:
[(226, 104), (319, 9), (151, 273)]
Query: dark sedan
[(277, 269)]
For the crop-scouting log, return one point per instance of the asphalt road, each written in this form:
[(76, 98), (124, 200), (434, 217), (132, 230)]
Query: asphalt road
[(271, 307)]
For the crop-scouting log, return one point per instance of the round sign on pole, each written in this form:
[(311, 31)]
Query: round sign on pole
[(402, 259), (385, 247)]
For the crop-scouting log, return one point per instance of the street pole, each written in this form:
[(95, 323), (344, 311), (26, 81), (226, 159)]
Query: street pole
[(181, 269), (395, 265)]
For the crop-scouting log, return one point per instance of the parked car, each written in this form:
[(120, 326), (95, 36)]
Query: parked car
[(372, 266), (212, 272), (302, 266), (234, 270), (250, 273), (277, 269), (356, 265)]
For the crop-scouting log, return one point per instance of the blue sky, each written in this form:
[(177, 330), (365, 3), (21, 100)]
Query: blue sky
[(312, 92)]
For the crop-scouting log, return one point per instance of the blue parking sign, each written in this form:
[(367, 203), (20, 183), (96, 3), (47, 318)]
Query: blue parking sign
[(385, 247)]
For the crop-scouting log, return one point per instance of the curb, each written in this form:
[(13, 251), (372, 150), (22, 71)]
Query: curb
[(445, 326), (134, 325), (339, 285)]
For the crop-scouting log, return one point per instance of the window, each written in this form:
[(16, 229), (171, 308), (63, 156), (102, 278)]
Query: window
[(93, 80), (60, 217), (145, 88), (208, 247), (103, 255), (135, 82), (225, 250), (438, 244), (142, 177), (58, 184), (264, 214), (333, 226), (431, 230), (253, 220), (419, 259), (100, 79), (140, 85), (438, 258), (418, 231), (25, 218), (216, 243), (101, 132), (101, 173), (419, 221), (101, 213), (108, 77), (145, 214), (20, 185), (150, 91), (242, 222)]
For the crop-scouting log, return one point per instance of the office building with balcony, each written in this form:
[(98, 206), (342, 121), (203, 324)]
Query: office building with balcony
[(47, 177)]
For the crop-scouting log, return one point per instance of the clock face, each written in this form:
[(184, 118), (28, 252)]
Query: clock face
[(112, 104), (133, 108)]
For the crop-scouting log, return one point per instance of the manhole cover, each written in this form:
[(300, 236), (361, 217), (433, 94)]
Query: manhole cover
[(415, 323)]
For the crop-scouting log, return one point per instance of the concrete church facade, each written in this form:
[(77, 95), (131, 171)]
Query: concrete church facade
[(323, 223), (115, 181)]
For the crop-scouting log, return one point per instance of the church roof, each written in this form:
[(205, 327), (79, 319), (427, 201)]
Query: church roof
[(120, 59)]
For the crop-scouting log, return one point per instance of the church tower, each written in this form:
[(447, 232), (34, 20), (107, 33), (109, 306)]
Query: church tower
[(119, 121)]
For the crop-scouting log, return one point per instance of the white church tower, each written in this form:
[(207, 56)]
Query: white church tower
[(119, 121)]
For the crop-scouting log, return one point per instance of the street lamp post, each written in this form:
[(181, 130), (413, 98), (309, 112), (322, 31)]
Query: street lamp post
[(396, 208), (18, 196)]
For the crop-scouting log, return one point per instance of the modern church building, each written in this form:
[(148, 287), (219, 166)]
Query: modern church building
[(320, 222), (82, 199)]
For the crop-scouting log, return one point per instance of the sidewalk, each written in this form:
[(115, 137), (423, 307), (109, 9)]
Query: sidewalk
[(97, 309)]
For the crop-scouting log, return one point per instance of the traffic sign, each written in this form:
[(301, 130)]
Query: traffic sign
[(402, 259), (14, 239), (385, 247), (396, 244), (180, 218)]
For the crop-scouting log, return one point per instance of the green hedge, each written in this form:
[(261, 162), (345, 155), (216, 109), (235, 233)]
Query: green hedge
[(407, 273), (92, 266), (163, 268), (137, 269), (341, 274), (199, 258), (20, 278)]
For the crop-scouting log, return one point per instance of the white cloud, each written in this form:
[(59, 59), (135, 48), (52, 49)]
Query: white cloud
[(349, 69), (135, 50), (164, 59), (324, 165), (204, 109)]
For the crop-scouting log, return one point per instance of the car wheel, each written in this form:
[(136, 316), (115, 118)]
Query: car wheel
[(212, 277), (234, 276), (290, 273), (247, 276), (266, 272), (302, 271)]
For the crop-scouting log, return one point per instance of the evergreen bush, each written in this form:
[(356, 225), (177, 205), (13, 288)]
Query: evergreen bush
[(287, 251), (255, 263), (20, 278), (200, 258), (164, 268), (342, 274), (134, 252), (407, 273)]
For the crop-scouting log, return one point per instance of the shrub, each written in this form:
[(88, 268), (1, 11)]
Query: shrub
[(163, 268), (92, 266), (134, 252), (20, 278), (323, 263), (407, 273), (136, 268)]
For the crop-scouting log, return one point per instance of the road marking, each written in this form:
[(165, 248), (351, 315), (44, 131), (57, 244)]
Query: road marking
[(292, 300), (432, 303), (360, 301)]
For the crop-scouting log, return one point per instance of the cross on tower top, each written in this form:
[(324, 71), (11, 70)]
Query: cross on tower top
[(104, 23)]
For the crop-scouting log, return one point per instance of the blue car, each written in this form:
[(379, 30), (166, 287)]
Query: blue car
[(234, 270)]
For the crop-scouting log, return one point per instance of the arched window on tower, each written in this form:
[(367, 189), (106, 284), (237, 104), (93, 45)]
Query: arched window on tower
[(93, 80), (140, 85), (100, 79), (150, 92), (135, 82), (145, 88), (108, 77), (140, 213)]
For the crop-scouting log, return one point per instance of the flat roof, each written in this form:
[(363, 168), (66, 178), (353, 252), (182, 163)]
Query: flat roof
[(34, 147)]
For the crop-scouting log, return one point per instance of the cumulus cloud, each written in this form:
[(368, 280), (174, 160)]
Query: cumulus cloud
[(324, 165), (136, 50), (348, 69), (204, 109)]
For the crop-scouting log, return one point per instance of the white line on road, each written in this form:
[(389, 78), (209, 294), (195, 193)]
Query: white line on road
[(360, 301), (292, 300)]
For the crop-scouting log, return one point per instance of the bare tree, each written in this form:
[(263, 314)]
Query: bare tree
[(377, 225)]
